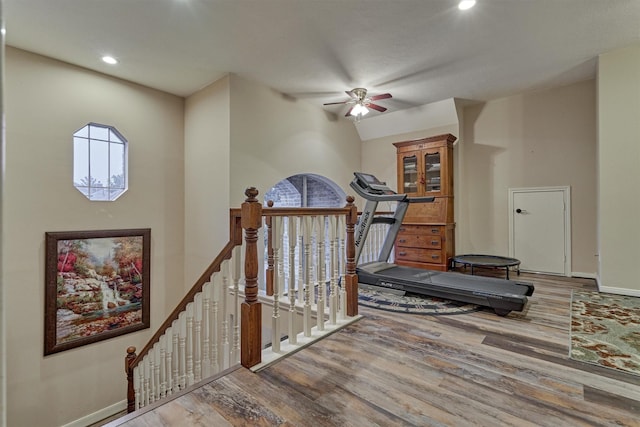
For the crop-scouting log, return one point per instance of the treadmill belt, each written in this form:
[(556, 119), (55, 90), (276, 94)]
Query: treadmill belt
[(456, 281)]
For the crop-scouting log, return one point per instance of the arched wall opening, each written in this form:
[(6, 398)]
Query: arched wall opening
[(306, 191)]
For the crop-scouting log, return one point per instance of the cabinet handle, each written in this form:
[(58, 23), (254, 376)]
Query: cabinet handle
[(402, 253), (434, 243), (435, 230), (435, 256), (401, 240)]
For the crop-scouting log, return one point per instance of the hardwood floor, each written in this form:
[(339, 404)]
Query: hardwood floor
[(393, 369)]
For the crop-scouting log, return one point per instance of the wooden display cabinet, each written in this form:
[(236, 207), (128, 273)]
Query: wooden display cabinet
[(425, 168)]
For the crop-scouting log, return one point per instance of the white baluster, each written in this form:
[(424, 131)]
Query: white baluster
[(308, 229), (182, 321), (237, 259), (320, 286), (342, 261), (146, 398), (206, 330), (163, 365), (215, 322), (276, 243), (224, 297), (301, 261), (333, 270), (170, 376), (197, 335), (293, 239), (136, 386), (189, 344), (156, 371), (177, 358)]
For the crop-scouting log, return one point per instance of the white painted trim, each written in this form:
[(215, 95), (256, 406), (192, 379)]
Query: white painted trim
[(584, 275), (100, 415), (566, 194), (619, 291)]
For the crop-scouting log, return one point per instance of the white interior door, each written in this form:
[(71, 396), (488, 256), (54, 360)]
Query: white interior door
[(540, 229)]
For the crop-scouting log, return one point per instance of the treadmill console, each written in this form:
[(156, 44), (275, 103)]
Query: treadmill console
[(371, 188)]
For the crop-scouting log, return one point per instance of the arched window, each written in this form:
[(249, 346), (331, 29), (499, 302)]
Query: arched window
[(308, 191), (100, 162)]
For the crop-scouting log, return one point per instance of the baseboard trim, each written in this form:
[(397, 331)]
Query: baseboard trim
[(100, 415), (619, 291), (584, 275)]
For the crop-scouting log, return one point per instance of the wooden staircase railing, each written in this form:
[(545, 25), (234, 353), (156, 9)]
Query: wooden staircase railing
[(205, 332)]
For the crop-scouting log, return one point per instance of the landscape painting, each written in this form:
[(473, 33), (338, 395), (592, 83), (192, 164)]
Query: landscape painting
[(97, 286)]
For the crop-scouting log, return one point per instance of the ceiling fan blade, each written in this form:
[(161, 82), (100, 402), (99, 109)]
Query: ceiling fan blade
[(349, 111), (383, 96), (335, 103), (376, 107)]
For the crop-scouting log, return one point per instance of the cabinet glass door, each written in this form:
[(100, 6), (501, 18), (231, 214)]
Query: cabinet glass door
[(410, 176), (432, 172)]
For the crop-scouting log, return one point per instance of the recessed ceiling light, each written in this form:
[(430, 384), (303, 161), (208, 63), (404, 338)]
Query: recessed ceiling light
[(110, 60), (466, 4)]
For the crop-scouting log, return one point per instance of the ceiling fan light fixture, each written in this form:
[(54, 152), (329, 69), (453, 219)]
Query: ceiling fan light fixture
[(466, 4), (109, 60), (359, 110)]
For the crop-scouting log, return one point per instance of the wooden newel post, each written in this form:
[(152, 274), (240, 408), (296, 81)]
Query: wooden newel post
[(351, 278), (251, 309), (128, 368)]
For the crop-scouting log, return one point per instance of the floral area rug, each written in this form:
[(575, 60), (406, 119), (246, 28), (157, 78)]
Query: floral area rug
[(605, 330), (412, 303)]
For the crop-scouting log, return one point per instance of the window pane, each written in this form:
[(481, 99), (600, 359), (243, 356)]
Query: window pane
[(99, 163), (80, 161), (99, 194), (83, 132), (97, 132), (83, 190), (117, 165), (115, 137)]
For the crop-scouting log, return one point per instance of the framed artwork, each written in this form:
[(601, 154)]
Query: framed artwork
[(97, 286)]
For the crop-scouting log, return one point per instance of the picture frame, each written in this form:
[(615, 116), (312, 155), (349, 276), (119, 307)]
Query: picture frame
[(97, 286)]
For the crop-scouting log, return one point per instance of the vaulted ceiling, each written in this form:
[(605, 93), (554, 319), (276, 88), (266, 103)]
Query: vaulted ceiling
[(421, 51)]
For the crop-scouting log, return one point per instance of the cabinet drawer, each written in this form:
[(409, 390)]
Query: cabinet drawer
[(419, 241), (421, 229), (419, 255)]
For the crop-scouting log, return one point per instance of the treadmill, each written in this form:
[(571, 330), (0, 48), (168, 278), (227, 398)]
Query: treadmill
[(503, 296)]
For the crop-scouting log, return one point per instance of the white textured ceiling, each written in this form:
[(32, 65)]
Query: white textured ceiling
[(421, 51)]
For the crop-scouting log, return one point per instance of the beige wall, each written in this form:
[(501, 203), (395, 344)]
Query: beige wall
[(46, 101), (206, 177), (619, 159), (274, 136), (536, 139)]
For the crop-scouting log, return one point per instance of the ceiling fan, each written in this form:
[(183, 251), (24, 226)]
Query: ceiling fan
[(360, 102)]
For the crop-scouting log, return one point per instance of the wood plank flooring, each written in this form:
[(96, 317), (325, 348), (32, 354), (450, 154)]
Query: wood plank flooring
[(391, 369)]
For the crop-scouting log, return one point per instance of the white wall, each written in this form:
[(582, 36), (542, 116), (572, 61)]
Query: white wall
[(618, 161), (206, 177), (274, 136), (534, 139), (46, 101)]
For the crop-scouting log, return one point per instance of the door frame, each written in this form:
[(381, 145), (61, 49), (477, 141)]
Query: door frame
[(566, 194)]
